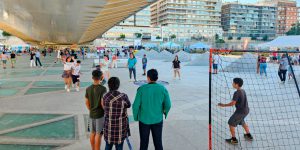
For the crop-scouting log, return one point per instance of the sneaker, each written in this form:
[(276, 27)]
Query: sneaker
[(73, 85), (248, 136), (66, 87), (232, 141), (68, 90), (77, 89)]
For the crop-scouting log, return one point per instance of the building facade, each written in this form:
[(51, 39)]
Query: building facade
[(240, 20), (287, 14), (137, 23), (187, 18)]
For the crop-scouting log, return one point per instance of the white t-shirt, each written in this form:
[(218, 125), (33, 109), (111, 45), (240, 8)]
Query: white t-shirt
[(216, 59), (68, 66), (104, 68), (58, 54), (76, 70)]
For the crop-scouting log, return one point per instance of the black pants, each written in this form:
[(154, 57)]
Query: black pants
[(132, 70), (282, 74), (156, 131), (37, 59)]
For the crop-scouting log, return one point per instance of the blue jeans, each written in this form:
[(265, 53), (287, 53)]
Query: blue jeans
[(263, 68), (132, 70), (37, 60), (117, 146)]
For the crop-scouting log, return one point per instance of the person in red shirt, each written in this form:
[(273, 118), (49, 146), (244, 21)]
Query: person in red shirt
[(274, 56)]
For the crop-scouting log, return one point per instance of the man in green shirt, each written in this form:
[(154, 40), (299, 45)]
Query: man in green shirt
[(94, 103), (152, 101)]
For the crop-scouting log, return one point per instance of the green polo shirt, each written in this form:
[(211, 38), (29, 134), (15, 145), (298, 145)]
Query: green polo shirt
[(152, 101)]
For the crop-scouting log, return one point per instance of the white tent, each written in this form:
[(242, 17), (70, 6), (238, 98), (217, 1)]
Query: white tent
[(283, 42)]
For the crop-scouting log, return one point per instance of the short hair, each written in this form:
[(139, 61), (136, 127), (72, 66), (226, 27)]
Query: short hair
[(78, 61), (113, 83), (238, 81), (152, 74), (97, 74)]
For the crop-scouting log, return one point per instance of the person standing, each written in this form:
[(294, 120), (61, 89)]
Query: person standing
[(32, 54), (176, 67), (283, 66), (144, 62), (104, 67), (94, 103), (58, 56), (131, 64), (4, 59), (114, 63), (67, 74), (37, 58), (216, 59), (151, 103), (116, 124), (263, 65), (13, 59), (258, 64)]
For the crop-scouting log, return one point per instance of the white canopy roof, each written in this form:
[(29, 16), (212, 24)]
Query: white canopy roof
[(283, 42)]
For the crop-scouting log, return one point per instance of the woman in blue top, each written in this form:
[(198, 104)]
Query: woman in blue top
[(131, 66)]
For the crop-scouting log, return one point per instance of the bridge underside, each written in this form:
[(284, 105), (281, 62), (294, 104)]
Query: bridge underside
[(64, 21)]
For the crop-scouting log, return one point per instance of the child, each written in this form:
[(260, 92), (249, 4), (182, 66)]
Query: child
[(144, 62), (94, 103), (76, 74), (242, 110), (216, 60), (114, 63)]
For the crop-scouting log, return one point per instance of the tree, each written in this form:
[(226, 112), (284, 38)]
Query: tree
[(158, 37), (217, 37), (239, 38), (230, 38), (253, 38), (220, 41), (138, 35), (122, 36), (4, 33), (173, 36), (295, 30), (265, 38)]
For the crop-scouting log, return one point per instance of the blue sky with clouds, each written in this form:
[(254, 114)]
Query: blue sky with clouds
[(253, 1)]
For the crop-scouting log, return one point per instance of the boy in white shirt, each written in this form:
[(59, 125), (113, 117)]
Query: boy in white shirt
[(76, 74)]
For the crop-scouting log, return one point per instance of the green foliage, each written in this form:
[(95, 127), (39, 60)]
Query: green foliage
[(217, 37), (295, 30), (122, 36), (158, 37), (253, 38), (4, 33), (265, 38), (138, 35), (173, 36), (239, 38), (230, 38), (220, 41)]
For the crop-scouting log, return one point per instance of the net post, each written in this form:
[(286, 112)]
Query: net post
[(292, 69), (209, 105)]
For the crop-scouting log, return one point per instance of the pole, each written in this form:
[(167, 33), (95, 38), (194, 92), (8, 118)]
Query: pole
[(295, 80), (209, 105)]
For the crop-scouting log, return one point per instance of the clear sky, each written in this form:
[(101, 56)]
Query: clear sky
[(253, 1)]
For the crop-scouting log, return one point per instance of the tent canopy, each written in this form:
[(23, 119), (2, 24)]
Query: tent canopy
[(170, 45), (283, 42), (198, 46), (150, 45)]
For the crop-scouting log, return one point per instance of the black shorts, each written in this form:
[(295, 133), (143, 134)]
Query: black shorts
[(75, 78), (215, 66), (237, 119)]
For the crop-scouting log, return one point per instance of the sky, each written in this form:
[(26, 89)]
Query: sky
[(253, 1)]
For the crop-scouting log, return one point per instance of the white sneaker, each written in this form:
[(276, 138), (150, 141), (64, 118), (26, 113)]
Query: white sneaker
[(68, 90), (66, 87), (77, 89)]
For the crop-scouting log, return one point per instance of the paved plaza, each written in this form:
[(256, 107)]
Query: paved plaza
[(37, 113)]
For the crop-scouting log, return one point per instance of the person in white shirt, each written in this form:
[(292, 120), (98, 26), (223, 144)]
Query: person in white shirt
[(76, 74), (67, 75), (216, 60), (58, 57), (104, 67)]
